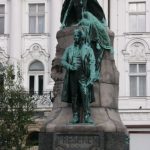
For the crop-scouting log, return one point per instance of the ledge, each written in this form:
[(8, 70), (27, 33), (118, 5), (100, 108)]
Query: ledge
[(36, 34), (136, 33)]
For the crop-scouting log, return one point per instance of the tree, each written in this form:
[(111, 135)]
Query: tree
[(16, 111)]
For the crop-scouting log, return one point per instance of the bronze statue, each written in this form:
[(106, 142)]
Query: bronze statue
[(96, 36), (79, 61), (72, 11), (82, 60)]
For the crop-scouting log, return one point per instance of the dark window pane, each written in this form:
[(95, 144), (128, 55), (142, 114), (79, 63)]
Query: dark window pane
[(142, 86), (40, 92), (133, 86), (31, 85), (1, 82)]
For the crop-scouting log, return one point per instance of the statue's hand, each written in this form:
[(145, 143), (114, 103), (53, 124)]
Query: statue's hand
[(75, 67), (72, 67)]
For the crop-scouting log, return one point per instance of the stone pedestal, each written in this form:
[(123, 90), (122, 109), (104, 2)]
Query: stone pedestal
[(107, 132), (88, 140)]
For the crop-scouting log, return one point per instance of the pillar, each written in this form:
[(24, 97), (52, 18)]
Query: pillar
[(15, 31)]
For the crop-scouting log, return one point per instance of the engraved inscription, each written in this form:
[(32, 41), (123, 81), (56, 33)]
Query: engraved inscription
[(76, 142)]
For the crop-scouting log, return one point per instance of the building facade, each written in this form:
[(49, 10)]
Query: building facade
[(129, 19), (28, 39)]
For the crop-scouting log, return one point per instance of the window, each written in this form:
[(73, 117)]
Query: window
[(31, 85), (1, 81), (36, 66), (36, 18), (2, 16), (1, 77), (137, 17), (137, 79), (36, 77)]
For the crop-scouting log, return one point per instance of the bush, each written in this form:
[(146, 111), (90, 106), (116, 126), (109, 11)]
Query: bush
[(16, 111)]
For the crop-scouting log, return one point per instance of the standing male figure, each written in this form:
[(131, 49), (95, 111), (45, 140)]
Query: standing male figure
[(79, 61)]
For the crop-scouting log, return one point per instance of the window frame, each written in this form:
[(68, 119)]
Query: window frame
[(36, 15), (138, 75), (137, 13), (2, 15), (36, 75)]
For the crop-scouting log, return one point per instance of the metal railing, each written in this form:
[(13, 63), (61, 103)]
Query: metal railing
[(42, 100)]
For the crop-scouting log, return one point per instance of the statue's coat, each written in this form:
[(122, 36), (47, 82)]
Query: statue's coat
[(88, 63)]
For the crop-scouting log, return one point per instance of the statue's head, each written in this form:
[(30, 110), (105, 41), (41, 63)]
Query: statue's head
[(79, 36)]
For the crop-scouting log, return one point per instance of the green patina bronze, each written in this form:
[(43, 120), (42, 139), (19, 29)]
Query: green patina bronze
[(82, 60), (79, 61), (72, 11), (96, 36)]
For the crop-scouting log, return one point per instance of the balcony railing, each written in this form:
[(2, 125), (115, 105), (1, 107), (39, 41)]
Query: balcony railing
[(42, 100)]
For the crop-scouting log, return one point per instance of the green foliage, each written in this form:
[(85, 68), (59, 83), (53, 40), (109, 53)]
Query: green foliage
[(16, 111)]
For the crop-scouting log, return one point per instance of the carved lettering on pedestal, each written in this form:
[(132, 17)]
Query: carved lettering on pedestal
[(76, 142)]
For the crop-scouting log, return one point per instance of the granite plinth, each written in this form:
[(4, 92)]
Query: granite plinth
[(107, 132), (83, 140)]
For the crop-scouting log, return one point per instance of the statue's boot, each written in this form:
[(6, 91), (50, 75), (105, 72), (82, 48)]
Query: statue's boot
[(88, 119), (75, 119)]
